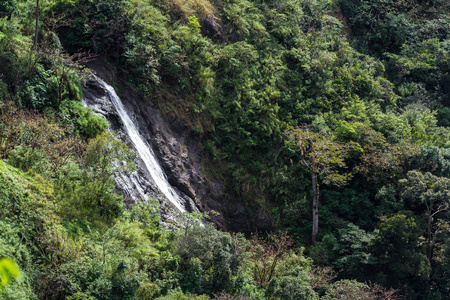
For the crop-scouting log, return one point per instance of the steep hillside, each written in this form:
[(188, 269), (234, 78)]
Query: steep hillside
[(326, 120), (24, 210)]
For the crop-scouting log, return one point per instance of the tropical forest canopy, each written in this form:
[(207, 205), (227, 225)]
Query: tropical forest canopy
[(330, 118)]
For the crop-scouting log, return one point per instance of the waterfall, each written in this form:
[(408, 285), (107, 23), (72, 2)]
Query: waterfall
[(143, 150)]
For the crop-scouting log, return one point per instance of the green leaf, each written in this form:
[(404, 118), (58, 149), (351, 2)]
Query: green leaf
[(8, 268)]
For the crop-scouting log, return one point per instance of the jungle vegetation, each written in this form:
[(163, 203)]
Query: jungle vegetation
[(329, 117)]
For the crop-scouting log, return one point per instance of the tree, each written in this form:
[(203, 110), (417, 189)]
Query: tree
[(105, 156), (396, 246), (210, 260), (431, 191), (434, 160), (266, 254), (294, 287), (280, 268), (352, 251), (322, 157)]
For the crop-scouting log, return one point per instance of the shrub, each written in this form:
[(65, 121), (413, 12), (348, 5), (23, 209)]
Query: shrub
[(81, 296), (86, 122), (291, 288), (209, 259)]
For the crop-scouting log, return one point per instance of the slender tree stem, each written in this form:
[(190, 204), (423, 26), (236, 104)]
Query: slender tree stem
[(37, 26), (315, 226)]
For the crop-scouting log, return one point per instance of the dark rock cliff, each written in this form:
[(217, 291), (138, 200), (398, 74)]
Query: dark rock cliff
[(179, 153)]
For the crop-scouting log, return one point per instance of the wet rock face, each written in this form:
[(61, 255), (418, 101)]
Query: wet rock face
[(96, 97), (178, 152), (137, 186)]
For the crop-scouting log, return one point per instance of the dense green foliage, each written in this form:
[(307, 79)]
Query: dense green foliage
[(265, 86)]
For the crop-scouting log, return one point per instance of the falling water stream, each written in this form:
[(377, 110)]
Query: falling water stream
[(143, 149)]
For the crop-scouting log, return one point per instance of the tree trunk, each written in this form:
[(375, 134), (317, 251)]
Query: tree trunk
[(429, 250), (315, 207), (37, 26), (60, 91)]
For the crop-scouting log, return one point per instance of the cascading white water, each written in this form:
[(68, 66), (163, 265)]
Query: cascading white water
[(143, 149)]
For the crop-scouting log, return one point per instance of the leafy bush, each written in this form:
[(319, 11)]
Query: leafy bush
[(209, 259), (294, 287), (29, 159), (175, 295), (396, 249), (105, 155), (80, 296), (86, 122), (348, 289), (39, 92)]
